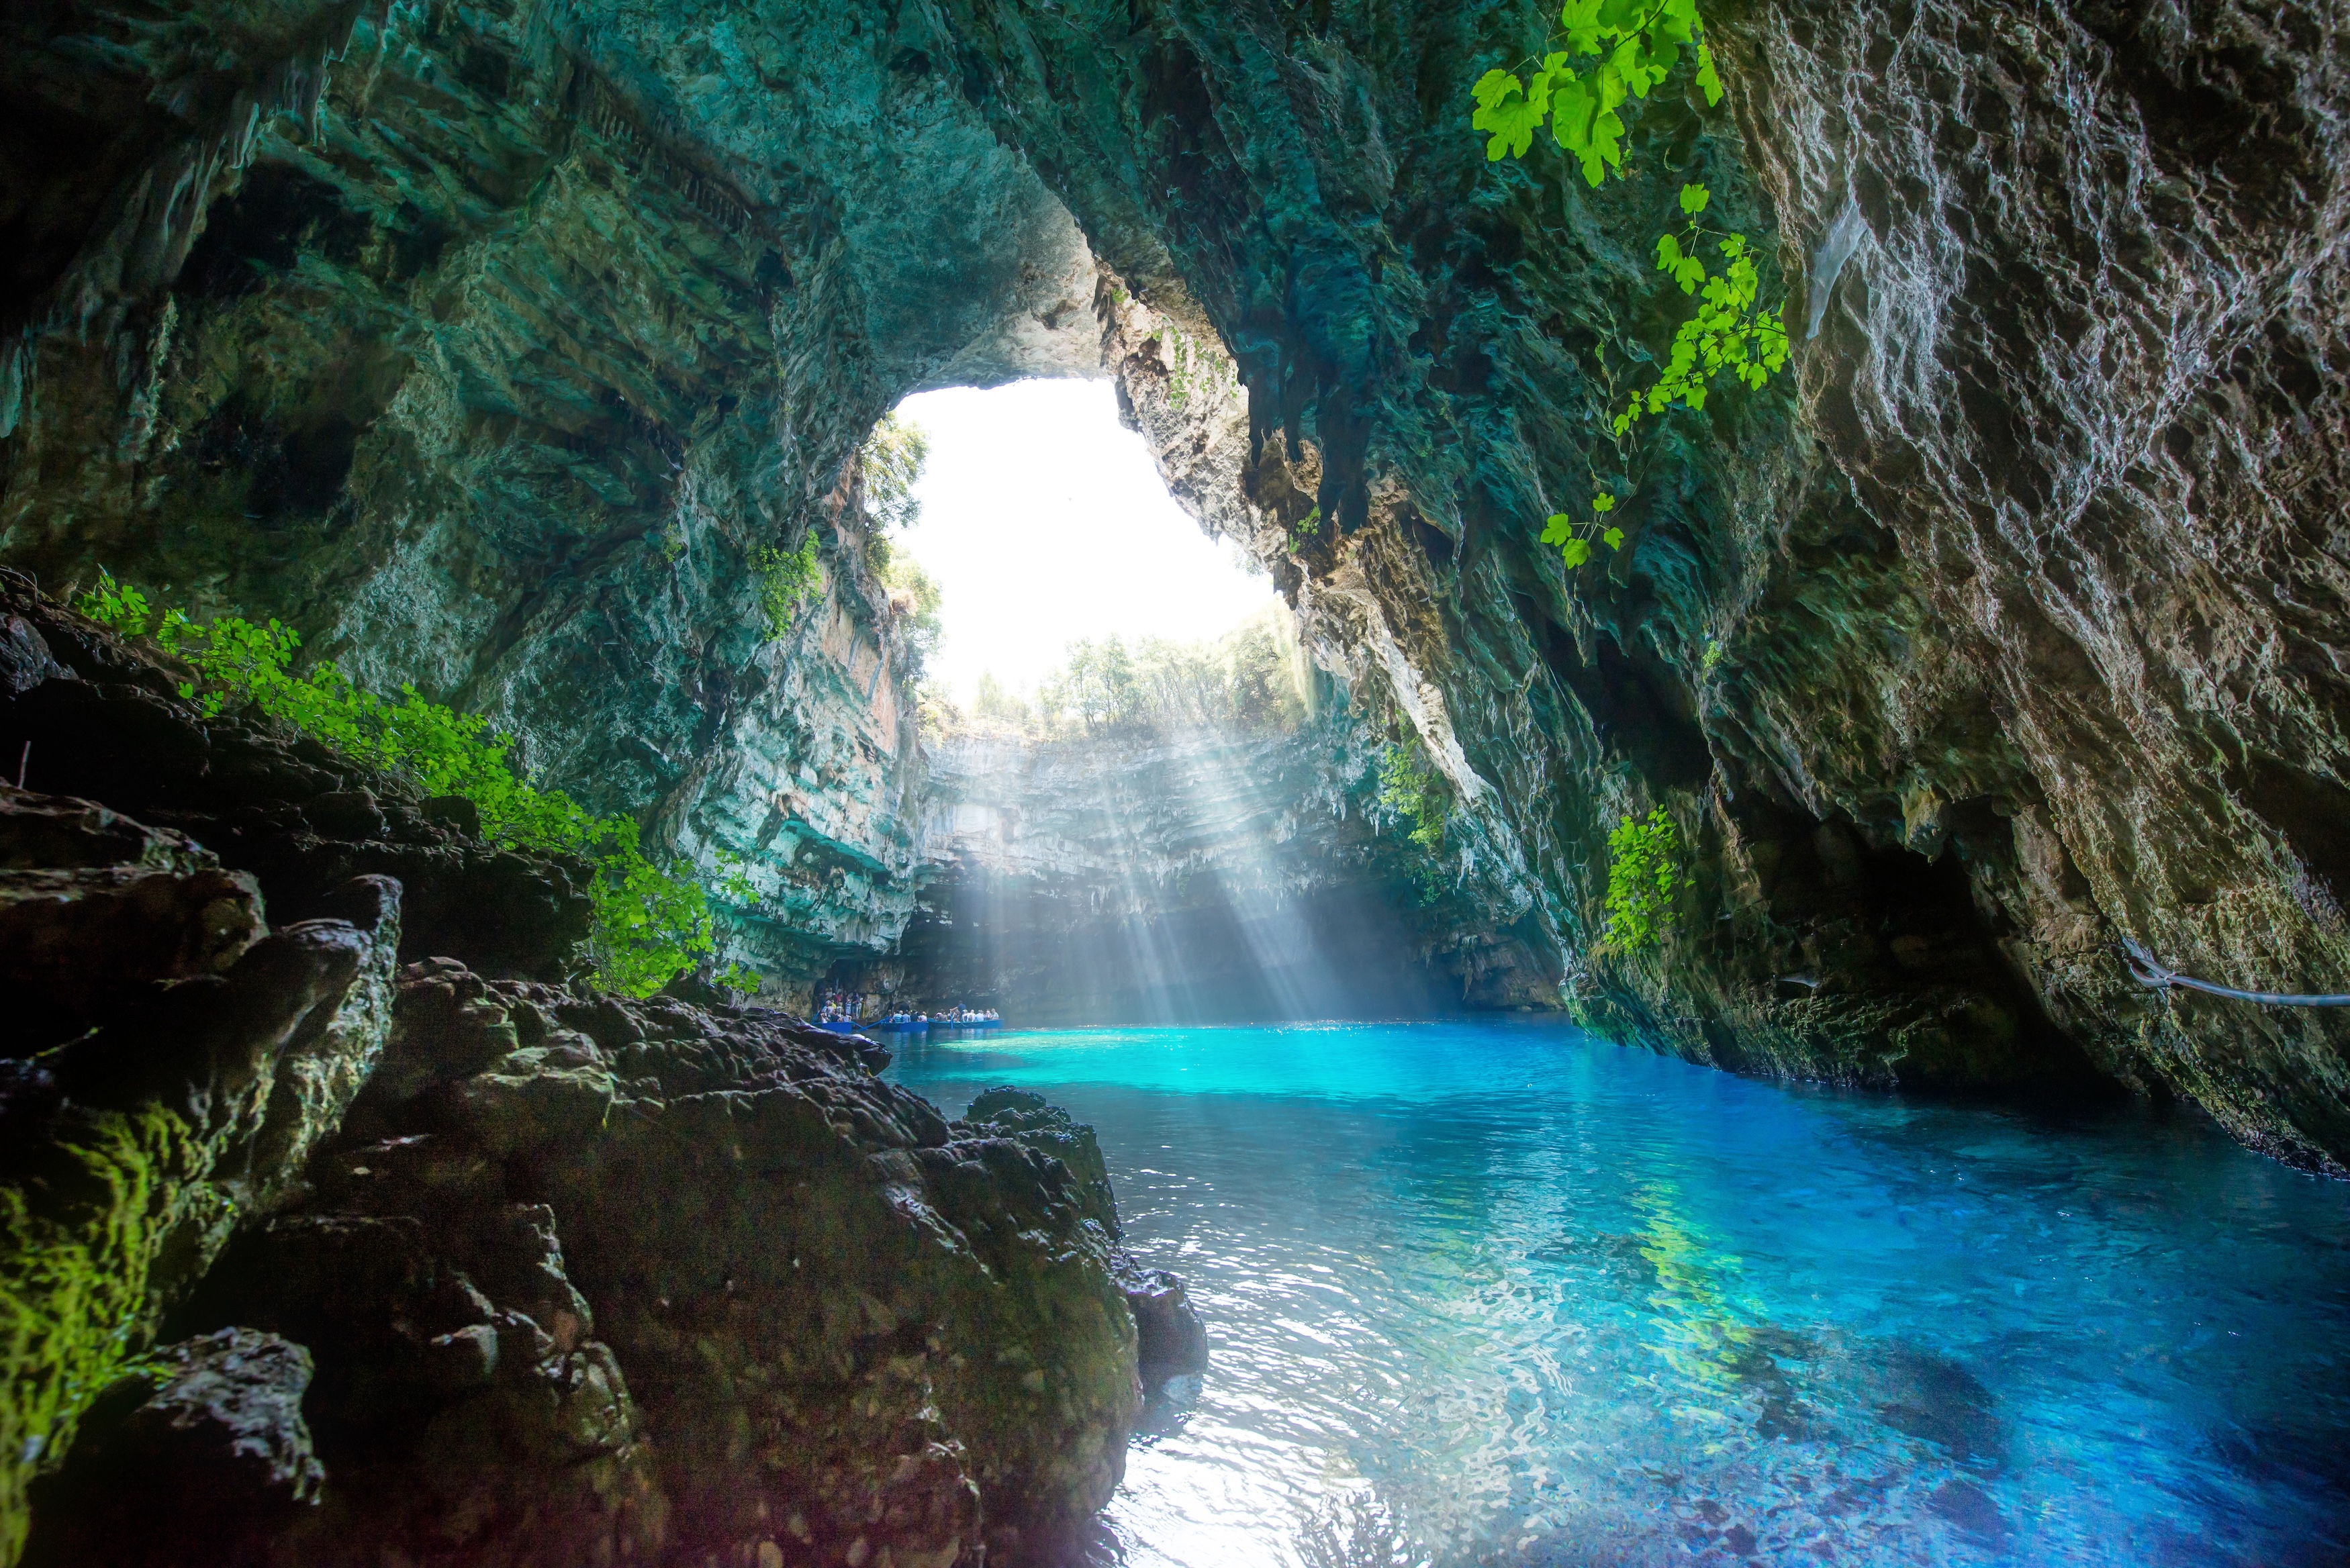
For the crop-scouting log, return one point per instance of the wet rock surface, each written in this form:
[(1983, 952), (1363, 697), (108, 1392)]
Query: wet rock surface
[(210, 1439)]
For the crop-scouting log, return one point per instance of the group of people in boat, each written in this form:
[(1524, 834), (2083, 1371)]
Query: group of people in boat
[(849, 1010)]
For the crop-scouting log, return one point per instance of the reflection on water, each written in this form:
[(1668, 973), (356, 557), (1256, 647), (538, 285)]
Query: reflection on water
[(1499, 1294)]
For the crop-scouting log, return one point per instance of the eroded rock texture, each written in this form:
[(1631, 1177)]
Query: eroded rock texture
[(2006, 633), (2003, 627)]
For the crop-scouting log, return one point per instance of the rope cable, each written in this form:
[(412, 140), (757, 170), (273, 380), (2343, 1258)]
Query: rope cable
[(2153, 976)]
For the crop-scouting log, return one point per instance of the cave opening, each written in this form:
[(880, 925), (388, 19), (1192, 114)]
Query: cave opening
[(1122, 733)]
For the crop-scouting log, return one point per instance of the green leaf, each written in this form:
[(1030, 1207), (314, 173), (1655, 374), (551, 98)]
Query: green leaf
[(1694, 198), (1558, 529), (1603, 501), (1677, 21), (1708, 82), (1579, 20), (1506, 114), (1495, 86), (1613, 538), (1575, 551)]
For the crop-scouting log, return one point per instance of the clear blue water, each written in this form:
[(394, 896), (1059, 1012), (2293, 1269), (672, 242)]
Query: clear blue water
[(1502, 1293)]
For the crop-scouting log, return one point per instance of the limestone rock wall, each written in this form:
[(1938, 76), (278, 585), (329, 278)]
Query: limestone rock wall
[(490, 346), (1996, 633)]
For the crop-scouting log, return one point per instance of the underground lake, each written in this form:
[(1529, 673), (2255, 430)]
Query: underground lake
[(1487, 1293)]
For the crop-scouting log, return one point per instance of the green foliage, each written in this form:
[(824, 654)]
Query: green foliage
[(1613, 50), (891, 461), (1304, 528), (1712, 656), (651, 923), (1575, 539), (787, 578), (1644, 871), (79, 1256), (733, 882), (1603, 54), (997, 704), (1189, 368), (118, 606), (1411, 790), (1728, 336), (914, 600), (1249, 680)]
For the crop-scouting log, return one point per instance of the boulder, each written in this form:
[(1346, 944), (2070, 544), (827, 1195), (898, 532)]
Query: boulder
[(197, 1456), (851, 1331)]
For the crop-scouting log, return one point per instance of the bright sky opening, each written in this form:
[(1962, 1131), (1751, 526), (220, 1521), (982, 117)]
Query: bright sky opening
[(1043, 522)]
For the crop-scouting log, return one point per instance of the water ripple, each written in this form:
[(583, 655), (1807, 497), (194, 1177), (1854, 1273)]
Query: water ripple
[(1503, 1294)]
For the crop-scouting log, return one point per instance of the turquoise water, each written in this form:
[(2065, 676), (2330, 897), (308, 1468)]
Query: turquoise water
[(1501, 1294)]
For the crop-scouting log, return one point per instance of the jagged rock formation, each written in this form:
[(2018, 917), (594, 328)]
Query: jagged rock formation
[(478, 1265), (2007, 624), (1901, 652)]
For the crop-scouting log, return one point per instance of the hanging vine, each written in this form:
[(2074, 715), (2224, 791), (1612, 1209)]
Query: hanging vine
[(1605, 55)]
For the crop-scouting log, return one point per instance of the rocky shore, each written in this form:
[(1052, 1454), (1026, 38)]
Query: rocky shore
[(342, 1222)]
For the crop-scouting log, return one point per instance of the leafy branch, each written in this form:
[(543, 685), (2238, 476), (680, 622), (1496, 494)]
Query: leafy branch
[(1614, 50), (1575, 539), (1728, 336)]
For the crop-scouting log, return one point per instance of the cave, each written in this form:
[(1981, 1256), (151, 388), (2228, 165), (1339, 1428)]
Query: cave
[(1734, 960)]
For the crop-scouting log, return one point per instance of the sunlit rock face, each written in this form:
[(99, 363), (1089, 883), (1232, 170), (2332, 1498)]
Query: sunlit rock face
[(2006, 624), (1174, 879)]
